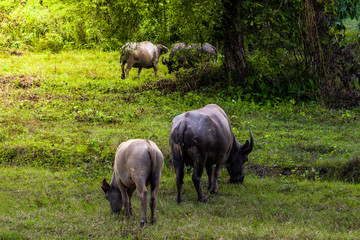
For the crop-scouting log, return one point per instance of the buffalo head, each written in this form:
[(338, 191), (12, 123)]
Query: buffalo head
[(167, 63), (238, 156), (113, 195), (162, 49)]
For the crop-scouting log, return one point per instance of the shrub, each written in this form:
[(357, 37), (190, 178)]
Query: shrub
[(52, 42), (205, 74)]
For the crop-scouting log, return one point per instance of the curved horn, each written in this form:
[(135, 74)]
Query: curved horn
[(251, 141)]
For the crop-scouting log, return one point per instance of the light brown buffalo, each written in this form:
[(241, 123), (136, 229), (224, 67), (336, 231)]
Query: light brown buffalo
[(140, 55), (138, 162)]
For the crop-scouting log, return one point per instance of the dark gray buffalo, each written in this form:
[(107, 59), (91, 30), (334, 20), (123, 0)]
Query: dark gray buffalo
[(137, 163), (140, 55), (204, 138), (183, 55)]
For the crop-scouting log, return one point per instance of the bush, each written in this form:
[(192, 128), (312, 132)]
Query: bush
[(205, 74), (52, 42)]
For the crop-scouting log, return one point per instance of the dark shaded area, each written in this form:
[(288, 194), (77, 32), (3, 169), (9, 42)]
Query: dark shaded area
[(202, 76), (340, 88), (348, 172)]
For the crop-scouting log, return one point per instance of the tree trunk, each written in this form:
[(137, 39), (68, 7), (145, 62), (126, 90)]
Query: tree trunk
[(234, 50)]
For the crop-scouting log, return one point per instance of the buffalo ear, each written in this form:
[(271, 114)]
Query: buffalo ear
[(245, 149), (248, 146), (105, 186)]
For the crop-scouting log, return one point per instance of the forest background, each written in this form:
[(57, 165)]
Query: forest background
[(288, 70), (272, 49)]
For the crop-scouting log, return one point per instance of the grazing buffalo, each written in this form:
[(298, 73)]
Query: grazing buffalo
[(183, 55), (204, 138), (137, 163), (140, 55)]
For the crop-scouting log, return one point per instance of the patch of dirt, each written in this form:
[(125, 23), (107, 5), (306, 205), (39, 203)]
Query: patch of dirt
[(162, 85), (31, 97), (20, 81), (273, 171), (16, 53), (349, 171)]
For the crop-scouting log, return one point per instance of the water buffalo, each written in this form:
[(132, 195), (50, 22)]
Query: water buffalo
[(183, 55), (204, 138), (138, 162), (140, 55)]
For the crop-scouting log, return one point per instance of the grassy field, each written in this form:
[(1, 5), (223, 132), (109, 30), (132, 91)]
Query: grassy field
[(63, 115), (40, 203)]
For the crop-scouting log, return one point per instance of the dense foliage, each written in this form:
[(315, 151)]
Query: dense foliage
[(305, 49)]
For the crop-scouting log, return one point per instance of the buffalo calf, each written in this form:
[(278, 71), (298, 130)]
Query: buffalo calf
[(137, 163)]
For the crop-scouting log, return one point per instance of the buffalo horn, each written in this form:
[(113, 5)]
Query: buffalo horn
[(251, 141), (164, 61)]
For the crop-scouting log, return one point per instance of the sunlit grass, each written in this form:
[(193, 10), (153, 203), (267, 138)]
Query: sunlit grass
[(63, 115), (352, 31), (79, 110)]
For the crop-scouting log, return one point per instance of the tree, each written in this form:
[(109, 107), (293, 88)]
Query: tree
[(234, 50)]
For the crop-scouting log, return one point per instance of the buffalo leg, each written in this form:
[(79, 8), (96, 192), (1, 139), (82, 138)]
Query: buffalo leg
[(154, 184), (197, 173), (122, 62), (125, 199), (153, 204), (178, 159), (196, 178), (143, 198), (214, 188), (130, 192), (139, 71), (199, 161), (127, 70), (179, 181), (210, 173), (155, 68)]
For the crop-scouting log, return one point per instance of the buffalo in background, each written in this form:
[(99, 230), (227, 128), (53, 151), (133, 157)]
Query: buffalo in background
[(140, 55), (183, 55)]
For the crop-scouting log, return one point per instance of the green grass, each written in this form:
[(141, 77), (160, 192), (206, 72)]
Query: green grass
[(72, 108), (352, 31), (39, 203), (63, 115)]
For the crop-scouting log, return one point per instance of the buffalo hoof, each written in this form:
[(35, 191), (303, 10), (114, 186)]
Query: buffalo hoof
[(178, 200), (142, 222), (214, 191), (153, 220), (204, 200)]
